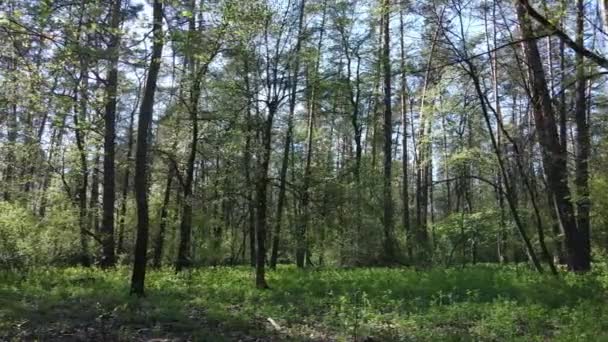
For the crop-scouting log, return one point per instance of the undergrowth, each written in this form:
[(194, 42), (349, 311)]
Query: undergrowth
[(481, 303)]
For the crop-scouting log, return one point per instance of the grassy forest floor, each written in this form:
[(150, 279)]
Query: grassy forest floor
[(482, 303)]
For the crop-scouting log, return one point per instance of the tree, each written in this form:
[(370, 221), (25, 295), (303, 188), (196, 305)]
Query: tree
[(141, 156), (583, 149), (109, 194), (389, 243), (288, 141), (302, 247), (554, 156)]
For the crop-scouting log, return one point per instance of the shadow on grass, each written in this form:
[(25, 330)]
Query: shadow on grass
[(221, 304)]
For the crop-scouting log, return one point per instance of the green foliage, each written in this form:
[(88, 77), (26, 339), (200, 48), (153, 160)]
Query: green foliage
[(482, 303), (465, 232), (26, 240), (598, 186)]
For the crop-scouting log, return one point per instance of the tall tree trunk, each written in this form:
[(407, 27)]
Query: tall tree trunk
[(375, 98), (108, 258), (422, 161), (554, 156), (247, 166), (164, 211), (262, 197), (354, 96), (501, 238), (125, 185), (12, 127), (288, 139), (93, 212), (183, 252), (302, 246), (404, 157), (196, 74), (79, 118), (389, 242), (583, 148), (141, 156), (509, 190), (56, 142)]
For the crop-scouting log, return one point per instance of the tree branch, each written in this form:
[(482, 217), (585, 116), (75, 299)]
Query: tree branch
[(600, 60)]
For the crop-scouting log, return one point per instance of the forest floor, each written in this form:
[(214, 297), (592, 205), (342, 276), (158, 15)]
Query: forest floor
[(481, 303)]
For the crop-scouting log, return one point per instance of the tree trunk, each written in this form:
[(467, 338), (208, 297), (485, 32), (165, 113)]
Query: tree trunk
[(247, 166), (93, 212), (164, 210), (509, 190), (288, 139), (302, 247), (554, 156), (422, 161), (108, 258), (56, 142), (389, 242), (183, 252), (12, 127), (196, 73), (141, 156), (262, 198), (80, 111), (583, 149), (125, 186)]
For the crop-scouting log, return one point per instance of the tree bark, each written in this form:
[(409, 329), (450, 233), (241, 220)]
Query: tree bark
[(389, 241), (554, 156), (141, 156), (288, 139), (196, 73), (583, 148), (80, 111), (422, 161), (125, 186), (164, 210), (262, 198), (247, 166), (108, 258), (93, 212), (302, 246)]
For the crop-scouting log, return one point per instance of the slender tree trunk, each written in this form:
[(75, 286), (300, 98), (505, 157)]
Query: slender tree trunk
[(302, 245), (185, 229), (125, 186), (354, 92), (247, 166), (375, 98), (583, 149), (404, 156), (262, 198), (389, 242), (56, 143), (422, 167), (605, 15), (12, 127), (80, 115), (501, 237), (141, 156), (164, 211), (288, 139), (515, 213), (108, 258), (93, 212), (183, 252), (554, 157)]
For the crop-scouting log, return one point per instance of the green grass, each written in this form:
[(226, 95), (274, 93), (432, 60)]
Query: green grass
[(482, 303)]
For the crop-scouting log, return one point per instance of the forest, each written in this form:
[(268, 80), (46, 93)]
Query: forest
[(303, 170)]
